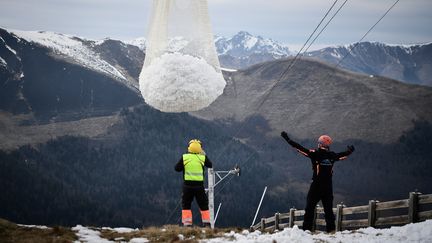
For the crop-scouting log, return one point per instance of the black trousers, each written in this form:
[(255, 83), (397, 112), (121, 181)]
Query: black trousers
[(191, 192), (320, 190)]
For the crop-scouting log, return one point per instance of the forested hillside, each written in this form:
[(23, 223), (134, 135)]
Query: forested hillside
[(131, 181), (128, 182)]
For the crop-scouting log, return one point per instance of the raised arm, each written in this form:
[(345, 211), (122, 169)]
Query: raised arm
[(295, 145), (346, 153)]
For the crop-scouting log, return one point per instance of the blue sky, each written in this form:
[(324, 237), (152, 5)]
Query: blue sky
[(286, 21)]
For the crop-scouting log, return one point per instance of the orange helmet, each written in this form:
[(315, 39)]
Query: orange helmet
[(325, 141)]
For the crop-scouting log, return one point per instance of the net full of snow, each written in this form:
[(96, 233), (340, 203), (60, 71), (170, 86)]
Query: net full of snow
[(419, 232), (177, 82)]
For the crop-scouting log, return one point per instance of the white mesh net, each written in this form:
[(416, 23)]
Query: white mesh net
[(181, 70)]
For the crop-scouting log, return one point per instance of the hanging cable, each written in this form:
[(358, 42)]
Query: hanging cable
[(283, 73), (325, 26), (367, 32), (316, 37), (334, 69), (293, 60), (313, 32)]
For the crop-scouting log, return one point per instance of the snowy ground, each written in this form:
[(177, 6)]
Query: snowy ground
[(419, 232), (93, 236)]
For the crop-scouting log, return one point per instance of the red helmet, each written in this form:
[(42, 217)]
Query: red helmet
[(325, 140)]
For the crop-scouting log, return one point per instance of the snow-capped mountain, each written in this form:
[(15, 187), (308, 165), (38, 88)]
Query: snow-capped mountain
[(244, 44), (243, 50), (45, 71), (81, 51), (408, 63), (239, 51)]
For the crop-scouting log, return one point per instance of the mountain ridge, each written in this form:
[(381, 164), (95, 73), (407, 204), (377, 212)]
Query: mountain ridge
[(407, 63), (304, 92)]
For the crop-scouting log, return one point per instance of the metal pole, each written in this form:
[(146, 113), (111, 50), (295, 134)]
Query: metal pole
[(211, 182), (256, 214), (217, 212)]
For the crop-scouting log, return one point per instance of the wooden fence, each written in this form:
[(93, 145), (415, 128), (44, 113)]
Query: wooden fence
[(416, 208)]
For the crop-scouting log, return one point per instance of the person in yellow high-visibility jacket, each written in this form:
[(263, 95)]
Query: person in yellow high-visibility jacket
[(192, 164)]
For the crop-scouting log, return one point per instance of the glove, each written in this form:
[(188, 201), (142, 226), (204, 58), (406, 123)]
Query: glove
[(285, 136), (351, 148)]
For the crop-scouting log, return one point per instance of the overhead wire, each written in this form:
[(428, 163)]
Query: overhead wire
[(367, 32), (325, 26), (352, 48), (268, 92), (266, 95)]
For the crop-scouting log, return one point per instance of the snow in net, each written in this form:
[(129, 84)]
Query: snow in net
[(181, 70)]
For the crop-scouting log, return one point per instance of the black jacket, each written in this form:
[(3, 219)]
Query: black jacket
[(180, 167), (322, 160)]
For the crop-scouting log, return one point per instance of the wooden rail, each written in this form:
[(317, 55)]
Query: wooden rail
[(375, 214)]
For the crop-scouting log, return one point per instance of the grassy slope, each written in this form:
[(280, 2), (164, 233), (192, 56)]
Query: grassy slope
[(11, 232)]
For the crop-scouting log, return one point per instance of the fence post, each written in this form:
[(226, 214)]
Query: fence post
[(277, 221), (372, 213), (292, 217), (413, 207), (339, 211), (262, 224), (315, 213)]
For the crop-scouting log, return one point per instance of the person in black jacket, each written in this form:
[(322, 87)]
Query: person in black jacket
[(321, 188)]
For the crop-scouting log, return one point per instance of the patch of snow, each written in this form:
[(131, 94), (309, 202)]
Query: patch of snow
[(139, 240), (120, 229), (88, 235), (418, 232), (11, 50), (20, 95), (138, 42), (3, 62), (70, 46), (180, 83), (335, 54), (34, 226), (217, 38), (250, 42), (408, 50), (228, 70), (409, 45)]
